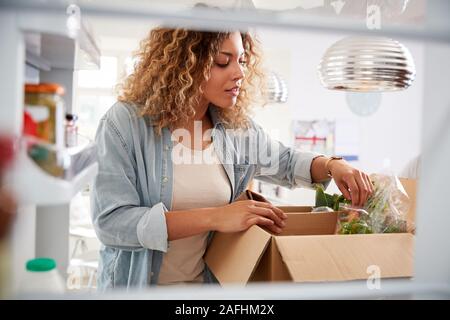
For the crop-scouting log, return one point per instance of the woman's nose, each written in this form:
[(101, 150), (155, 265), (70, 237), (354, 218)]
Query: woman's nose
[(238, 72)]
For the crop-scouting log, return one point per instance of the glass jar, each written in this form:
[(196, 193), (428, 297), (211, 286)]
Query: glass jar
[(44, 105), (45, 120)]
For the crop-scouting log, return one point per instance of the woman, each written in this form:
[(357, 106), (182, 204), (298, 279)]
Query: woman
[(154, 211)]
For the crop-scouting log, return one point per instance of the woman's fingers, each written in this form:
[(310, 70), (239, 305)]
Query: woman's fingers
[(354, 190), (275, 229), (268, 213), (270, 206), (369, 183), (261, 221), (274, 214), (362, 187), (354, 184), (280, 213), (344, 190)]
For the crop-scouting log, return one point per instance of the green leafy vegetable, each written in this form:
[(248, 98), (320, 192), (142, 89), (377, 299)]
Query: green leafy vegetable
[(324, 199), (356, 226)]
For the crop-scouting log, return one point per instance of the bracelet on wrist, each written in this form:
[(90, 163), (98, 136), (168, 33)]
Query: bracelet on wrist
[(328, 163)]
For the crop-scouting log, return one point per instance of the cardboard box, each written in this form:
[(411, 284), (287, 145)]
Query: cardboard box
[(410, 186), (308, 250)]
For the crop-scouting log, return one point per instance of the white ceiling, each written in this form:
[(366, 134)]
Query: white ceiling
[(123, 33)]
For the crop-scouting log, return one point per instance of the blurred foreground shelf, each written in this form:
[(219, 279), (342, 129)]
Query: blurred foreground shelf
[(33, 185)]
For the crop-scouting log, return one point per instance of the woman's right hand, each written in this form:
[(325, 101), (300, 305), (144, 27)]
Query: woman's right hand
[(241, 215)]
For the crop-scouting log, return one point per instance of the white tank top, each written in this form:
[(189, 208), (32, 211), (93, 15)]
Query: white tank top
[(199, 181)]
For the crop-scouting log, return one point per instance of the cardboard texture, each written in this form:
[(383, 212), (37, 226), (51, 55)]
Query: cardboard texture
[(303, 222), (338, 258), (230, 258), (410, 186), (308, 250)]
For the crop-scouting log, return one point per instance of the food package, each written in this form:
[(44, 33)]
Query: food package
[(384, 211)]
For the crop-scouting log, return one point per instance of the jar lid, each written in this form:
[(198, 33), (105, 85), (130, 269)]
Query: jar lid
[(44, 88), (41, 264), (71, 117)]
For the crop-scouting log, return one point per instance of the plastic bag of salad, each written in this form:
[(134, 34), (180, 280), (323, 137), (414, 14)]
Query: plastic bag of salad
[(388, 205), (384, 211)]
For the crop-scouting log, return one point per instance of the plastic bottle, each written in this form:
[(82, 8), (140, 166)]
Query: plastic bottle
[(71, 130), (42, 277)]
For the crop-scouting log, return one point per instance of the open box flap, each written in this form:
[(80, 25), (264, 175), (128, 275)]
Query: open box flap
[(300, 223), (288, 209), (346, 257), (233, 257)]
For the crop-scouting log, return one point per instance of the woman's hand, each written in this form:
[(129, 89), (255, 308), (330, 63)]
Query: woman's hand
[(241, 215), (355, 185)]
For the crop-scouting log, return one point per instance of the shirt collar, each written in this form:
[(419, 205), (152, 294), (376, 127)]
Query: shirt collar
[(212, 110), (214, 114)]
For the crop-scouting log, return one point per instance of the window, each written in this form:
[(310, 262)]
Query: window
[(105, 77), (90, 109), (95, 91)]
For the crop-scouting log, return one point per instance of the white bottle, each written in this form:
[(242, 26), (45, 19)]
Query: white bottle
[(42, 277)]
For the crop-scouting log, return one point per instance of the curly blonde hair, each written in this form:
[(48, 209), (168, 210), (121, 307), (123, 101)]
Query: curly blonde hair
[(172, 65)]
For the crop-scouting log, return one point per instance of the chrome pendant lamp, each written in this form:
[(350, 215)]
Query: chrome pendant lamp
[(367, 64), (277, 90)]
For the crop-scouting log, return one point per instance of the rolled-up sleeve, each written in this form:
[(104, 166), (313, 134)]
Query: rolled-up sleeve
[(302, 168), (118, 216), (149, 231)]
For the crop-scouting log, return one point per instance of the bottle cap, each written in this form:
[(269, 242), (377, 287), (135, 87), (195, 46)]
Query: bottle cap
[(41, 264), (52, 88), (71, 117)]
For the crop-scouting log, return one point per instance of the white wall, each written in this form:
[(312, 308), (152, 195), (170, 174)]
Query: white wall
[(392, 132)]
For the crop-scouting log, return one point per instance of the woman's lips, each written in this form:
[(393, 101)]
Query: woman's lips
[(233, 91)]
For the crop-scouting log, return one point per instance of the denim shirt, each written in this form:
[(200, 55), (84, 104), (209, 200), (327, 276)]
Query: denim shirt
[(133, 188)]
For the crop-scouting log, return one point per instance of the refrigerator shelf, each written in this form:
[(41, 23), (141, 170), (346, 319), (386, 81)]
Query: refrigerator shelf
[(51, 43), (33, 185)]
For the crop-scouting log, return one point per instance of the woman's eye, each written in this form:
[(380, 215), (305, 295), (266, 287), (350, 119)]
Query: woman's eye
[(222, 65)]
